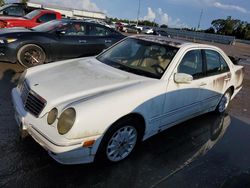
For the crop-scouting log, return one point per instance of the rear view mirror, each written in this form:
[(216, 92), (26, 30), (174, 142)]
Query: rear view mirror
[(182, 78)]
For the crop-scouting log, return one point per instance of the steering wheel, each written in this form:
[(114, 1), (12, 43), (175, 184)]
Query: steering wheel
[(158, 68)]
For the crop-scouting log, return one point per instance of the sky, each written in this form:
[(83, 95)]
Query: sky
[(174, 13)]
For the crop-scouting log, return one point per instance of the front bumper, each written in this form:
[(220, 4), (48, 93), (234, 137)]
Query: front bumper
[(62, 153), (7, 54)]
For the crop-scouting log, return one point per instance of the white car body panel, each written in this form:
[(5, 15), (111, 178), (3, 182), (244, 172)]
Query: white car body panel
[(101, 95)]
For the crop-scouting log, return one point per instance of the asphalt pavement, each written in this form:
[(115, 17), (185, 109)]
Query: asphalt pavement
[(207, 151)]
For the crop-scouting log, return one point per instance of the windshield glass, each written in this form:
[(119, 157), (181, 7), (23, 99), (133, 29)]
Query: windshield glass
[(32, 14), (139, 57), (4, 7), (50, 26)]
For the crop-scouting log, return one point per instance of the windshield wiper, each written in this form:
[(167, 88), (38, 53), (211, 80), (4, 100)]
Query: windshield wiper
[(135, 71), (143, 73)]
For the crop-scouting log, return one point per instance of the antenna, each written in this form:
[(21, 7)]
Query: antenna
[(199, 23)]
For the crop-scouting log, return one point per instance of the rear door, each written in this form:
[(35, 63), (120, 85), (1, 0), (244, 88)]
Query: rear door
[(100, 38), (216, 81)]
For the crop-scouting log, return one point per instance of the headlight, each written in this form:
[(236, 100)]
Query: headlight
[(52, 115), (21, 80), (66, 121), (10, 40)]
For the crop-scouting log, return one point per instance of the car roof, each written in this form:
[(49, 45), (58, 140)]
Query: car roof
[(171, 41), (46, 10), (80, 21)]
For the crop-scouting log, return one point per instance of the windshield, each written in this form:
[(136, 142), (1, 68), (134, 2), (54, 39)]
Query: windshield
[(32, 14), (50, 26), (139, 57), (4, 7)]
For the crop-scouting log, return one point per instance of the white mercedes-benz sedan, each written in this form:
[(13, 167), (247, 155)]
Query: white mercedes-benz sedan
[(100, 108)]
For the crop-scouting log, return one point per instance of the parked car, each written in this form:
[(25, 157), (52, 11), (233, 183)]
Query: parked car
[(130, 29), (118, 26), (161, 33), (15, 9), (55, 40), (30, 20), (139, 27), (99, 108), (148, 30)]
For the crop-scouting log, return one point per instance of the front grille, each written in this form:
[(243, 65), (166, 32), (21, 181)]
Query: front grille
[(33, 103)]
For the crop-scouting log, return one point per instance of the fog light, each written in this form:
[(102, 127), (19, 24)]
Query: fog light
[(52, 116)]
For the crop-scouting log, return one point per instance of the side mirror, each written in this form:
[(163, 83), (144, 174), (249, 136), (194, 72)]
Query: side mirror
[(38, 21), (182, 78), (60, 32)]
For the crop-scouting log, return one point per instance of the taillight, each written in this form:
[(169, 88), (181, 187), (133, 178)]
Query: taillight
[(3, 24)]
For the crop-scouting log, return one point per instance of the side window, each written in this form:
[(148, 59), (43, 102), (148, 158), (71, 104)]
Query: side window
[(224, 66), (75, 29), (98, 31), (47, 17), (215, 63), (192, 64), (14, 11)]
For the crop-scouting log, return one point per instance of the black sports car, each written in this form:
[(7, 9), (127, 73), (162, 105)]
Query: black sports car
[(55, 40)]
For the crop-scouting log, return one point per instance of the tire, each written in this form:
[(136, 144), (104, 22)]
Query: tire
[(119, 141), (224, 102), (31, 55)]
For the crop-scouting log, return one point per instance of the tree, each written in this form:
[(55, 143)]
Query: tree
[(210, 30), (164, 26), (24, 1), (2, 2), (230, 26)]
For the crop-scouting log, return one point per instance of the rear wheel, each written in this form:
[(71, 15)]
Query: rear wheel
[(119, 141), (224, 102), (31, 55)]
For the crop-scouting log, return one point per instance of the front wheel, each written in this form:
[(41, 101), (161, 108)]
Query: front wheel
[(119, 142), (224, 102), (31, 55)]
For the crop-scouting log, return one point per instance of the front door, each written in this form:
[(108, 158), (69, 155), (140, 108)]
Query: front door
[(73, 41), (183, 99)]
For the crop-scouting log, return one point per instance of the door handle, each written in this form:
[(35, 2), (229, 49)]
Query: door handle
[(108, 41), (203, 84), (82, 41)]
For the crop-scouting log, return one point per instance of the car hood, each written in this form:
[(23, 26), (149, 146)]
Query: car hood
[(78, 79), (14, 30)]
